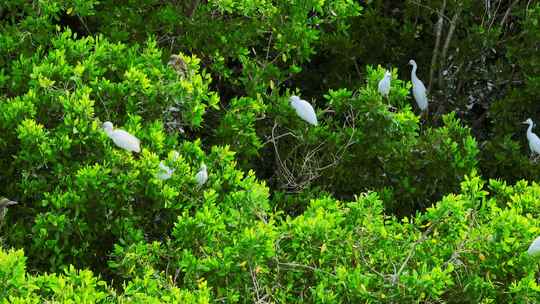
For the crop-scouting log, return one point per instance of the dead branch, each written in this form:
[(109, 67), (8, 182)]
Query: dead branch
[(314, 269), (260, 299), (507, 13), (438, 32), (447, 44)]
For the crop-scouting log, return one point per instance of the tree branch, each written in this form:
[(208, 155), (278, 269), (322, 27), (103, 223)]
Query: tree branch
[(438, 32), (447, 43)]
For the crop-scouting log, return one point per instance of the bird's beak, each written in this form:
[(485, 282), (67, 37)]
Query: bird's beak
[(524, 122)]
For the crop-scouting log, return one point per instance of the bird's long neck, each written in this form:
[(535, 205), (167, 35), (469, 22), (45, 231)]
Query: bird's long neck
[(108, 132), (413, 72), (529, 129)]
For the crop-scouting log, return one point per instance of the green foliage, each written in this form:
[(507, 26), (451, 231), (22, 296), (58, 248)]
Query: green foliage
[(237, 127), (376, 204), (81, 286), (379, 144), (469, 247), (506, 154), (85, 193)]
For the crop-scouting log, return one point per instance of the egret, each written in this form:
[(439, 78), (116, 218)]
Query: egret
[(384, 84), (534, 141), (304, 110), (122, 138), (202, 176), (165, 172), (419, 90), (4, 203), (534, 249)]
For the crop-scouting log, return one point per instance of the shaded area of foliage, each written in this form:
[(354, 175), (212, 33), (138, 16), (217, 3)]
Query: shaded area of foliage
[(357, 209)]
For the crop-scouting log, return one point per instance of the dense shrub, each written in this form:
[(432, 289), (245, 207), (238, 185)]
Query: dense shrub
[(80, 192), (507, 152), (470, 247), (375, 204), (365, 142), (81, 286)]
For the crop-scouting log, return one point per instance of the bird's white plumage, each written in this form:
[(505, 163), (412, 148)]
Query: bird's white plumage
[(202, 176), (419, 90), (122, 138), (534, 141), (304, 110), (384, 84), (165, 172), (534, 249)]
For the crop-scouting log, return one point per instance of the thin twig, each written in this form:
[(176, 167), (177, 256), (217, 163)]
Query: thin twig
[(88, 32), (457, 252), (314, 269), (278, 137), (494, 15), (430, 9), (507, 13), (268, 46), (412, 251), (283, 168), (256, 287)]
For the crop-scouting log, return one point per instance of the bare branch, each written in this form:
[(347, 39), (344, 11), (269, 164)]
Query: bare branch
[(314, 269), (507, 13), (494, 15), (447, 44), (438, 32), (430, 9)]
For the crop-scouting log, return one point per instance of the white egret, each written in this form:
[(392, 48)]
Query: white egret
[(384, 84), (534, 249), (534, 141), (122, 138), (165, 172), (202, 176), (419, 90), (304, 110)]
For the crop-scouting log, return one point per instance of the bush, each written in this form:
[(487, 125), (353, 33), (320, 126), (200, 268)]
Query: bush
[(81, 286), (353, 252), (367, 143), (469, 247), (82, 193), (507, 152), (375, 204)]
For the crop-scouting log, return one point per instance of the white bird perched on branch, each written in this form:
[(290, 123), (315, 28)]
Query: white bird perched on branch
[(202, 176), (384, 84), (419, 90), (122, 138), (166, 172), (534, 249), (534, 141), (304, 109)]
